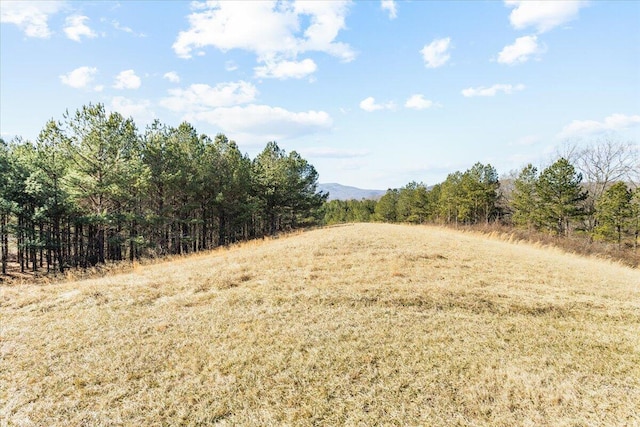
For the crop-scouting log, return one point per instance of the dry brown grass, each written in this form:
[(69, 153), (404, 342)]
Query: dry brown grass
[(368, 324), (578, 243)]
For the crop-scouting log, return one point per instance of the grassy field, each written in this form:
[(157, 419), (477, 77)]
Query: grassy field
[(367, 324)]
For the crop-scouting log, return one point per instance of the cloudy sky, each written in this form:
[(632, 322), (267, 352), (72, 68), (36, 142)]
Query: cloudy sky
[(373, 93)]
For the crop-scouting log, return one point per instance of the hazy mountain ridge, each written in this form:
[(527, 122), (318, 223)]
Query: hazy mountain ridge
[(344, 192)]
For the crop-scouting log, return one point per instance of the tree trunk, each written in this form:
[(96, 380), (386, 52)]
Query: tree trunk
[(20, 244), (132, 236), (4, 242), (221, 229), (100, 240), (203, 240), (58, 245), (32, 248)]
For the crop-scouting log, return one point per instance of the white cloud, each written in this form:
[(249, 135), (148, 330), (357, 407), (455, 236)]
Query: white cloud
[(525, 141), (127, 79), (223, 107), (333, 153), (326, 21), (230, 66), (125, 29), (521, 50), (286, 69), (614, 122), (436, 53), (172, 76), (265, 122), (30, 16), (543, 15), (275, 31), (80, 77), (418, 102), (369, 104), (138, 110), (202, 97), (492, 91), (76, 28), (237, 25), (390, 6)]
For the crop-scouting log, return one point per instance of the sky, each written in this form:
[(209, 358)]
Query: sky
[(374, 94)]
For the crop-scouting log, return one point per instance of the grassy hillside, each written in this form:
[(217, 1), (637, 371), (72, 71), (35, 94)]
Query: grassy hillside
[(367, 324)]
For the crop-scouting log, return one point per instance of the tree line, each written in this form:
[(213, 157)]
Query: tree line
[(590, 191), (92, 189)]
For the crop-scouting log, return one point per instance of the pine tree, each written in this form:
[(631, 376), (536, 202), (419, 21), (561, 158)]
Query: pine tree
[(232, 197), (450, 202), (47, 185), (101, 147), (269, 177), (386, 208), (5, 204), (92, 189), (285, 189), (412, 203), (614, 212), (635, 216), (525, 203), (24, 203), (478, 193), (302, 182), (560, 196)]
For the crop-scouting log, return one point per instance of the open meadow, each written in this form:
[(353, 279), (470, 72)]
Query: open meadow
[(366, 324)]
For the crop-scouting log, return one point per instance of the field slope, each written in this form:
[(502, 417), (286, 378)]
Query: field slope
[(368, 324)]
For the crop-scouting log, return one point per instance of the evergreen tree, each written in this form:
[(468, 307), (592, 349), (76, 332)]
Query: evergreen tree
[(433, 203), (635, 216), (5, 204), (614, 213), (285, 189), (92, 189), (24, 203), (187, 151), (361, 210), (560, 196), (335, 212), (101, 147), (412, 203), (525, 203), (162, 166), (233, 198), (341, 211), (478, 194), (450, 202), (490, 186), (46, 184), (386, 208), (302, 182), (269, 174)]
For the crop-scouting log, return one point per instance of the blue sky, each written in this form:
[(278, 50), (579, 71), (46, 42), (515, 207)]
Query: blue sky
[(373, 93)]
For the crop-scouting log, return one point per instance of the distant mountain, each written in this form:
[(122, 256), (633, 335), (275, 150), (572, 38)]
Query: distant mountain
[(344, 192)]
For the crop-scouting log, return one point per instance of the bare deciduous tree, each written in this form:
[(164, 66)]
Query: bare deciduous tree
[(608, 160), (603, 162)]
